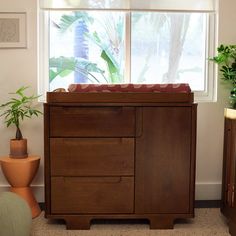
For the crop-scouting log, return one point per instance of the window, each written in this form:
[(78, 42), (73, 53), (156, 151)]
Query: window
[(96, 42), (86, 47)]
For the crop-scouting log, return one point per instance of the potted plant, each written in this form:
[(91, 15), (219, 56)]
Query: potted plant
[(226, 59), (14, 112)]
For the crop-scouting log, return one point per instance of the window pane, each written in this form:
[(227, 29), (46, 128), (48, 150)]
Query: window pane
[(89, 47), (168, 48), (86, 47)]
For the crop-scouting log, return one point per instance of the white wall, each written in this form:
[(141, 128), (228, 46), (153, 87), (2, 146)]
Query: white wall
[(19, 67), (211, 121)]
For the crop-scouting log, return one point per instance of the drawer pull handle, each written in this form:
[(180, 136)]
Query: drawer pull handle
[(93, 111), (94, 180)]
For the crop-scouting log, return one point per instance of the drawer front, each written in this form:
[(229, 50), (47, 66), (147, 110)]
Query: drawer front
[(92, 121), (92, 156), (80, 195)]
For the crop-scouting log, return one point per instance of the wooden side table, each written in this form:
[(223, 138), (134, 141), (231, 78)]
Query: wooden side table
[(20, 173)]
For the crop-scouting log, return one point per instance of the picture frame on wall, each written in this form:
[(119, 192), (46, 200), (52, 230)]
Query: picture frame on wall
[(13, 30)]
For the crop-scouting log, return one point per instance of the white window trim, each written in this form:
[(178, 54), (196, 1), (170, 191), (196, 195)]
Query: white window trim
[(42, 50), (210, 92), (193, 5), (211, 75)]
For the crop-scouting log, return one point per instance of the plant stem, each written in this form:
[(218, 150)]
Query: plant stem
[(18, 134)]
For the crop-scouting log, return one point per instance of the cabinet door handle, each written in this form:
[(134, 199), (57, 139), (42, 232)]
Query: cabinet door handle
[(232, 196), (228, 195)]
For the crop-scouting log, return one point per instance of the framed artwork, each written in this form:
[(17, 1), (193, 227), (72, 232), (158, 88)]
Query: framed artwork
[(13, 30)]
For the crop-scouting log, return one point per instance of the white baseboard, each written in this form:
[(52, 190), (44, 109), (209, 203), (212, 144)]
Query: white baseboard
[(208, 191), (203, 191)]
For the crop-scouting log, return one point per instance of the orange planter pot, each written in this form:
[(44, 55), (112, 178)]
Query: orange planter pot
[(18, 148)]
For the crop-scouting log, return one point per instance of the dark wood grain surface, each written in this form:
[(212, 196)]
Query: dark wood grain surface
[(92, 194), (92, 121), (163, 161), (119, 156), (92, 156)]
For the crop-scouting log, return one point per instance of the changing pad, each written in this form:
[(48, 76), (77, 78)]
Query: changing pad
[(166, 88)]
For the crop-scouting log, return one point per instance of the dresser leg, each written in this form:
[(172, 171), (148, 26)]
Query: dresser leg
[(161, 222), (77, 222), (232, 228)]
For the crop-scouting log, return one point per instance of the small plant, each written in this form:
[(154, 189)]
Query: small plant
[(226, 59), (17, 109)]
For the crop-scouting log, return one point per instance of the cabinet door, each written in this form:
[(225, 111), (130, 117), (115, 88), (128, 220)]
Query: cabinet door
[(164, 167), (228, 177)]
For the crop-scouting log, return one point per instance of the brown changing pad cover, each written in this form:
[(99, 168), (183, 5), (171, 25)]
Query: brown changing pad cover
[(166, 88)]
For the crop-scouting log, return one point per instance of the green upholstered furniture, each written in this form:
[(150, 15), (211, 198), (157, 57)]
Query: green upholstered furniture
[(15, 215)]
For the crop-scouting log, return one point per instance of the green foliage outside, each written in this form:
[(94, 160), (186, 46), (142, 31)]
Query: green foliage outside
[(63, 66)]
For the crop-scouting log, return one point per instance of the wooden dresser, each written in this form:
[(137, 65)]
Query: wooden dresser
[(119, 156), (228, 201)]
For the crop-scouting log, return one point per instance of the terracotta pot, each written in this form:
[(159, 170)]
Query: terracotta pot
[(20, 173), (18, 148)]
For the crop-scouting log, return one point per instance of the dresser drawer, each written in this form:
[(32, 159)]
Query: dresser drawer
[(92, 195), (92, 121), (92, 156)]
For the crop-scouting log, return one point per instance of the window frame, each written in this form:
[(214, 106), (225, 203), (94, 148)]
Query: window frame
[(208, 95)]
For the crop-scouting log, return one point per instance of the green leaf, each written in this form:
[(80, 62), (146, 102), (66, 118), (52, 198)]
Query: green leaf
[(63, 66), (113, 71), (65, 72), (19, 107), (110, 64)]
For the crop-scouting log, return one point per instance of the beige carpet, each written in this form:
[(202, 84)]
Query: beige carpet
[(207, 222)]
